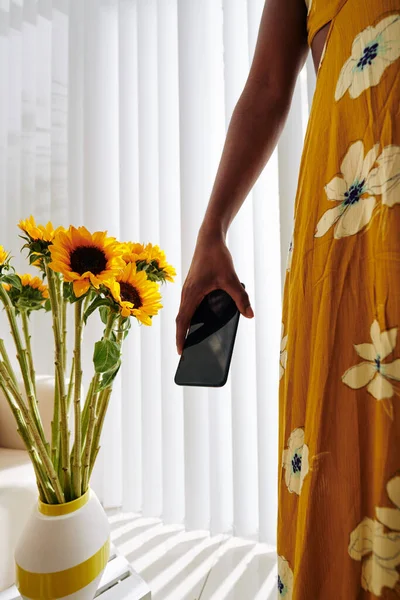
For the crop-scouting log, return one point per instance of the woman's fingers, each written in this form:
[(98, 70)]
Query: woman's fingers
[(189, 303), (240, 296), (191, 299), (212, 268)]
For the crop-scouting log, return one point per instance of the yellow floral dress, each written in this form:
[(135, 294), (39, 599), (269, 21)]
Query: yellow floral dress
[(339, 441)]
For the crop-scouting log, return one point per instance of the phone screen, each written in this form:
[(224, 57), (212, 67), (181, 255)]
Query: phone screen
[(208, 347)]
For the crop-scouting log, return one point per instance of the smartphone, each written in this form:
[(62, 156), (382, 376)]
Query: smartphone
[(208, 348)]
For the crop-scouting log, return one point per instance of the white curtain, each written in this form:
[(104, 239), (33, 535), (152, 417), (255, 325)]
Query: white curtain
[(113, 115)]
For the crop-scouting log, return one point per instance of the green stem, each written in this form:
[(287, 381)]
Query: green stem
[(7, 363), (93, 459), (58, 344), (22, 428), (55, 426), (43, 492), (46, 492), (89, 440), (71, 384), (86, 410), (63, 325), (27, 338), (23, 432), (77, 458), (6, 382), (88, 298), (103, 403), (90, 417), (21, 356)]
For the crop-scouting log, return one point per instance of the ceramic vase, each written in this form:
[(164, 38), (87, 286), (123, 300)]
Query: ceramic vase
[(63, 550)]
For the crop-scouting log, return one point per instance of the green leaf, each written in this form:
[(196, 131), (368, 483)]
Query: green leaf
[(97, 302), (126, 325), (106, 356), (74, 298), (13, 280), (109, 377), (142, 265), (67, 290), (104, 312), (68, 293), (34, 257)]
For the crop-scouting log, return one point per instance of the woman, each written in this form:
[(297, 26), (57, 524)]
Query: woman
[(339, 440)]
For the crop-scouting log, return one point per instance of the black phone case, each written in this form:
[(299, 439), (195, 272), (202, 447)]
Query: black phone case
[(180, 381)]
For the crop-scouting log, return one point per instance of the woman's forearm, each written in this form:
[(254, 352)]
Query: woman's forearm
[(253, 132)]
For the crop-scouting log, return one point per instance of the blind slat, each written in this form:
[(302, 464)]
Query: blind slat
[(169, 210)]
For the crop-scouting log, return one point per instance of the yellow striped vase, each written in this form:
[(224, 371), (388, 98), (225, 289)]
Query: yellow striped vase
[(63, 550)]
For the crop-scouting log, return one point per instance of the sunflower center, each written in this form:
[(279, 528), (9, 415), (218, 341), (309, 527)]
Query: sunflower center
[(88, 258), (354, 192), (130, 294), (370, 52), (296, 463)]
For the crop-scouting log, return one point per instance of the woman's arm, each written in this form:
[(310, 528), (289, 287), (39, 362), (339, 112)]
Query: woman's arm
[(253, 132), (261, 111)]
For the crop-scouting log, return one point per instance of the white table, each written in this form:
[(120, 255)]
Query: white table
[(119, 582)]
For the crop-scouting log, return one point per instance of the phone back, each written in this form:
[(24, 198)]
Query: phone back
[(208, 348)]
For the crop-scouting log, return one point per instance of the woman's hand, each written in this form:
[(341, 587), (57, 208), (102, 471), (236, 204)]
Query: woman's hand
[(211, 268)]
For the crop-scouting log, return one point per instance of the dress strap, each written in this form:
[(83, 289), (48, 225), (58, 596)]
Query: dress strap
[(320, 13)]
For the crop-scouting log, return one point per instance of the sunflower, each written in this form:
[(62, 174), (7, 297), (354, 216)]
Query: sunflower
[(35, 283), (3, 255), (85, 258), (32, 294), (38, 232), (150, 258), (134, 252), (135, 294)]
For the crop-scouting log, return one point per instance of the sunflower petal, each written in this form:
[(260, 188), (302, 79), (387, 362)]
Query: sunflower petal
[(81, 287)]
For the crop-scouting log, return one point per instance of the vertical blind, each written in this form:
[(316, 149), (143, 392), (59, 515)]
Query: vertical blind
[(113, 115)]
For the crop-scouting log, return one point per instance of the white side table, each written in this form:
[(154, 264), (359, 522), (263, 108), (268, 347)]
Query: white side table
[(119, 582)]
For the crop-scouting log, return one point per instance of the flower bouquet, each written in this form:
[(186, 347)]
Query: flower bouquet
[(94, 273)]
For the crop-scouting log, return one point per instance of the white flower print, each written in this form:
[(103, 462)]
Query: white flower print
[(308, 4), (386, 177), (373, 50), (295, 461), (382, 549), (391, 516), (383, 555), (285, 579), (373, 373), (356, 187), (283, 354), (352, 189)]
